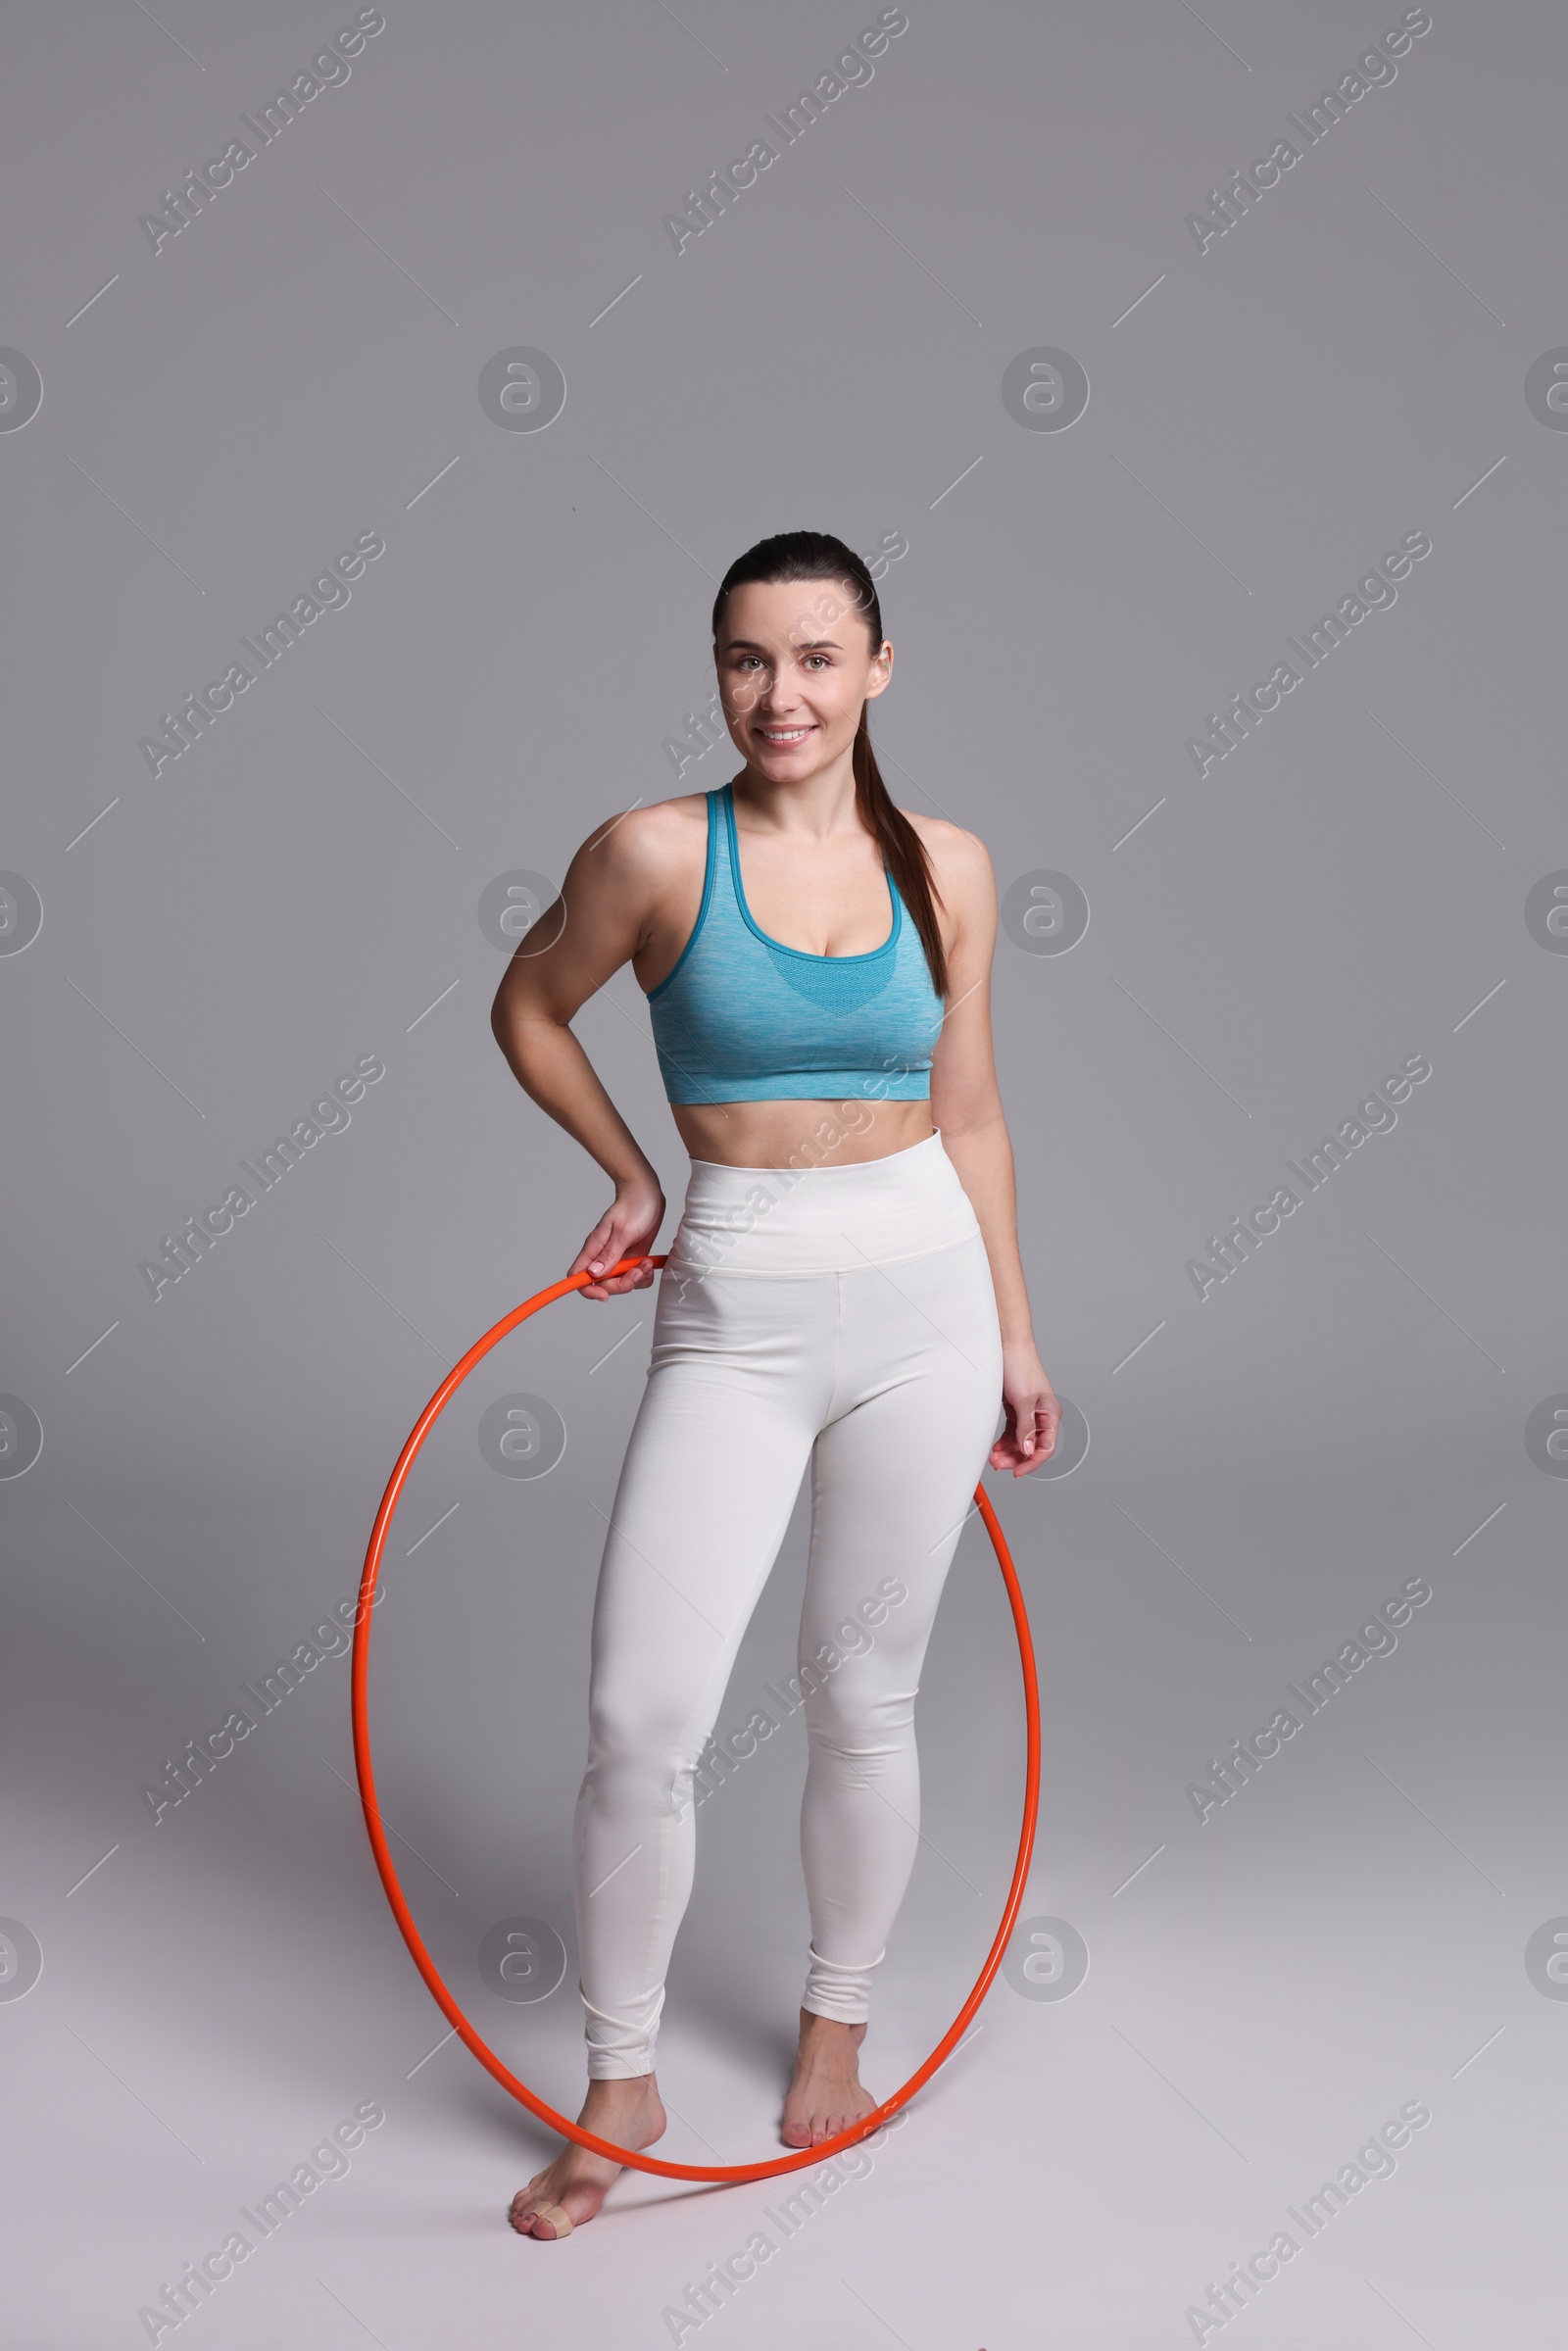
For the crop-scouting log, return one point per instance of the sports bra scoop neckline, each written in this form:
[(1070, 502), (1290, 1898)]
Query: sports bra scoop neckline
[(741, 1016), (726, 798)]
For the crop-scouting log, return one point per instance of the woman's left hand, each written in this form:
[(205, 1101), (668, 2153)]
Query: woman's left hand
[(1033, 1413)]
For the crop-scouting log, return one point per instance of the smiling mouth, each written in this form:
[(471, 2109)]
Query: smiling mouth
[(784, 735)]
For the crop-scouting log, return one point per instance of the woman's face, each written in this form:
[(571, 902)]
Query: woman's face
[(795, 664)]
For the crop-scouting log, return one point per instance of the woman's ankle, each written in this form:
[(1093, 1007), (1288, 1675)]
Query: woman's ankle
[(830, 2026), (620, 2090)]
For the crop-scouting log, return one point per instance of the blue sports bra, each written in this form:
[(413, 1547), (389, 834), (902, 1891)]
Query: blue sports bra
[(744, 1019)]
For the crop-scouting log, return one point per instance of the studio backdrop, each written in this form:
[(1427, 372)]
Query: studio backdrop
[(382, 397)]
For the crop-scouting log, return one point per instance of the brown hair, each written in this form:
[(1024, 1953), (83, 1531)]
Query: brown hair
[(801, 554)]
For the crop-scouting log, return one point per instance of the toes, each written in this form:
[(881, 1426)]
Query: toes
[(545, 2221), (816, 2124)]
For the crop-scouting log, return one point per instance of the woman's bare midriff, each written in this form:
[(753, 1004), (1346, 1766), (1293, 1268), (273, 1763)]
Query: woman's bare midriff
[(801, 1134)]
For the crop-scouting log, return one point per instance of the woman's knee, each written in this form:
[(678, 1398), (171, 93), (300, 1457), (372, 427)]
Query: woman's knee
[(633, 1739), (644, 1733), (853, 1713), (859, 1665)]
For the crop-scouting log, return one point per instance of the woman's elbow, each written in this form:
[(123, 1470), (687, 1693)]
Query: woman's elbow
[(972, 1115), (508, 1025)]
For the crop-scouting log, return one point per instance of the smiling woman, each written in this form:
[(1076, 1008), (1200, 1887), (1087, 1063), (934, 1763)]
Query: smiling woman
[(816, 963), (875, 1012)]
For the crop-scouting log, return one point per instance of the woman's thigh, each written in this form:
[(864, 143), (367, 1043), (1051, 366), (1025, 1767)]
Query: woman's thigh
[(740, 1374), (915, 1411)]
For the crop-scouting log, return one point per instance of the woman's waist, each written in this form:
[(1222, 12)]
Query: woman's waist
[(782, 1134), (817, 1215)]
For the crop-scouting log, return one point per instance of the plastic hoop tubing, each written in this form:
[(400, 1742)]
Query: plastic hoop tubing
[(798, 2158)]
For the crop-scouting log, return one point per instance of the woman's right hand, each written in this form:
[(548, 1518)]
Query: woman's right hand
[(628, 1229)]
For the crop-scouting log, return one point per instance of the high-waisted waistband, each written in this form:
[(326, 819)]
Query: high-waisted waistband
[(787, 1220)]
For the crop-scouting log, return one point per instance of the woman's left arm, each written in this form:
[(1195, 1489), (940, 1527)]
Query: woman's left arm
[(967, 1106)]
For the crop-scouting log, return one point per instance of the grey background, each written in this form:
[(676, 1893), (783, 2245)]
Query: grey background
[(1347, 889)]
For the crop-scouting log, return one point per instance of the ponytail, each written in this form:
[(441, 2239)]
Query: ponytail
[(902, 845), (800, 555)]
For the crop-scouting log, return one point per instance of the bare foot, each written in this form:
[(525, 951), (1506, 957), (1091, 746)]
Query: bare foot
[(825, 2095), (627, 2112)]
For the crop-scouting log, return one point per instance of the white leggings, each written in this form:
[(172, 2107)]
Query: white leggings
[(843, 1317)]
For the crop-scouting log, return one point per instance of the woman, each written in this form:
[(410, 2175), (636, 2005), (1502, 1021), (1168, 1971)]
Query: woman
[(844, 1291)]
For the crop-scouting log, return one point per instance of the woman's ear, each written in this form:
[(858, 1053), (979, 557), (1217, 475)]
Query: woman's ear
[(881, 672)]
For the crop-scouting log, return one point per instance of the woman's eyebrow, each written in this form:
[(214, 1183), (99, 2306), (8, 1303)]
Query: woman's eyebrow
[(810, 645)]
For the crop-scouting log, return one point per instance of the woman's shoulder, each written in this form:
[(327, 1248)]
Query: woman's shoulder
[(648, 840), (959, 857), (642, 865)]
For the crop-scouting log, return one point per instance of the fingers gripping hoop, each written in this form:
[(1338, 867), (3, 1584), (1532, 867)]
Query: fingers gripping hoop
[(798, 2158)]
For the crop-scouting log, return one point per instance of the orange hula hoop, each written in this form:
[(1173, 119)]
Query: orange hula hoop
[(798, 2158)]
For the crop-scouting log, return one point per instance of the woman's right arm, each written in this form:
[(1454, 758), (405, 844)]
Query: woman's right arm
[(596, 924)]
